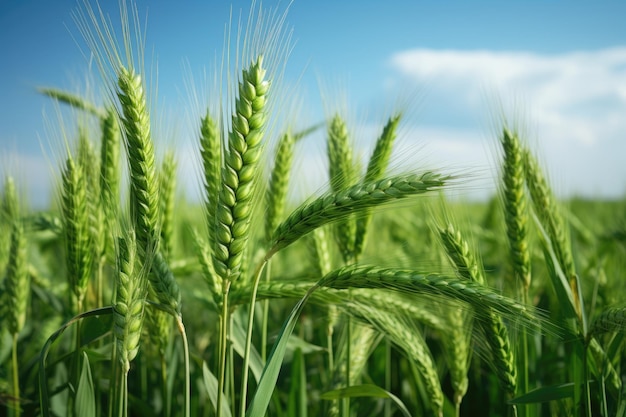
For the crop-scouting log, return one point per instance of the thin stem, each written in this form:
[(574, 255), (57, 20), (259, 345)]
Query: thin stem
[(183, 334), (524, 365), (224, 316), (587, 392), (16, 378), (114, 377), (329, 345), (246, 357), (346, 401), (164, 393), (266, 313), (122, 396), (387, 375)]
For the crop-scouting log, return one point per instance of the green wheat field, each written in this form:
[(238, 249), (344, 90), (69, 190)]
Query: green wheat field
[(376, 296)]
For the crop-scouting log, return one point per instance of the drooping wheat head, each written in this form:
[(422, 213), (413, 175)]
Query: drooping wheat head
[(549, 214), (337, 206), (413, 281), (495, 332), (408, 338)]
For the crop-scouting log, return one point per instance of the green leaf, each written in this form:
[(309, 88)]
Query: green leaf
[(365, 390), (298, 388), (85, 405), (263, 394), (44, 398), (95, 327), (545, 394), (238, 338), (210, 384)]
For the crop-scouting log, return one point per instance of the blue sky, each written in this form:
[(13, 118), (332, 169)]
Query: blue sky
[(562, 62)]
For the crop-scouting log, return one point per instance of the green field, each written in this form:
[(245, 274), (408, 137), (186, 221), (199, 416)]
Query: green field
[(379, 296)]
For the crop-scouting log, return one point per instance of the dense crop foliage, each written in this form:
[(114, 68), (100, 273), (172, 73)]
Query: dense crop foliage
[(376, 297)]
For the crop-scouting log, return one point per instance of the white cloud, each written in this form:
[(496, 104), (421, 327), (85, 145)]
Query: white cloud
[(574, 104)]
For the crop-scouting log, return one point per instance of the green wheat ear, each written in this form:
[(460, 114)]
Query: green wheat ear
[(494, 331), (342, 175), (76, 225), (140, 151), (130, 297), (515, 210), (375, 170), (167, 195), (276, 195), (17, 280), (110, 175), (240, 173), (211, 155), (337, 206)]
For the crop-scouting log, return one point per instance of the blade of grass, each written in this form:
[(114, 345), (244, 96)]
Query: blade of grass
[(267, 383), (85, 404), (366, 390)]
